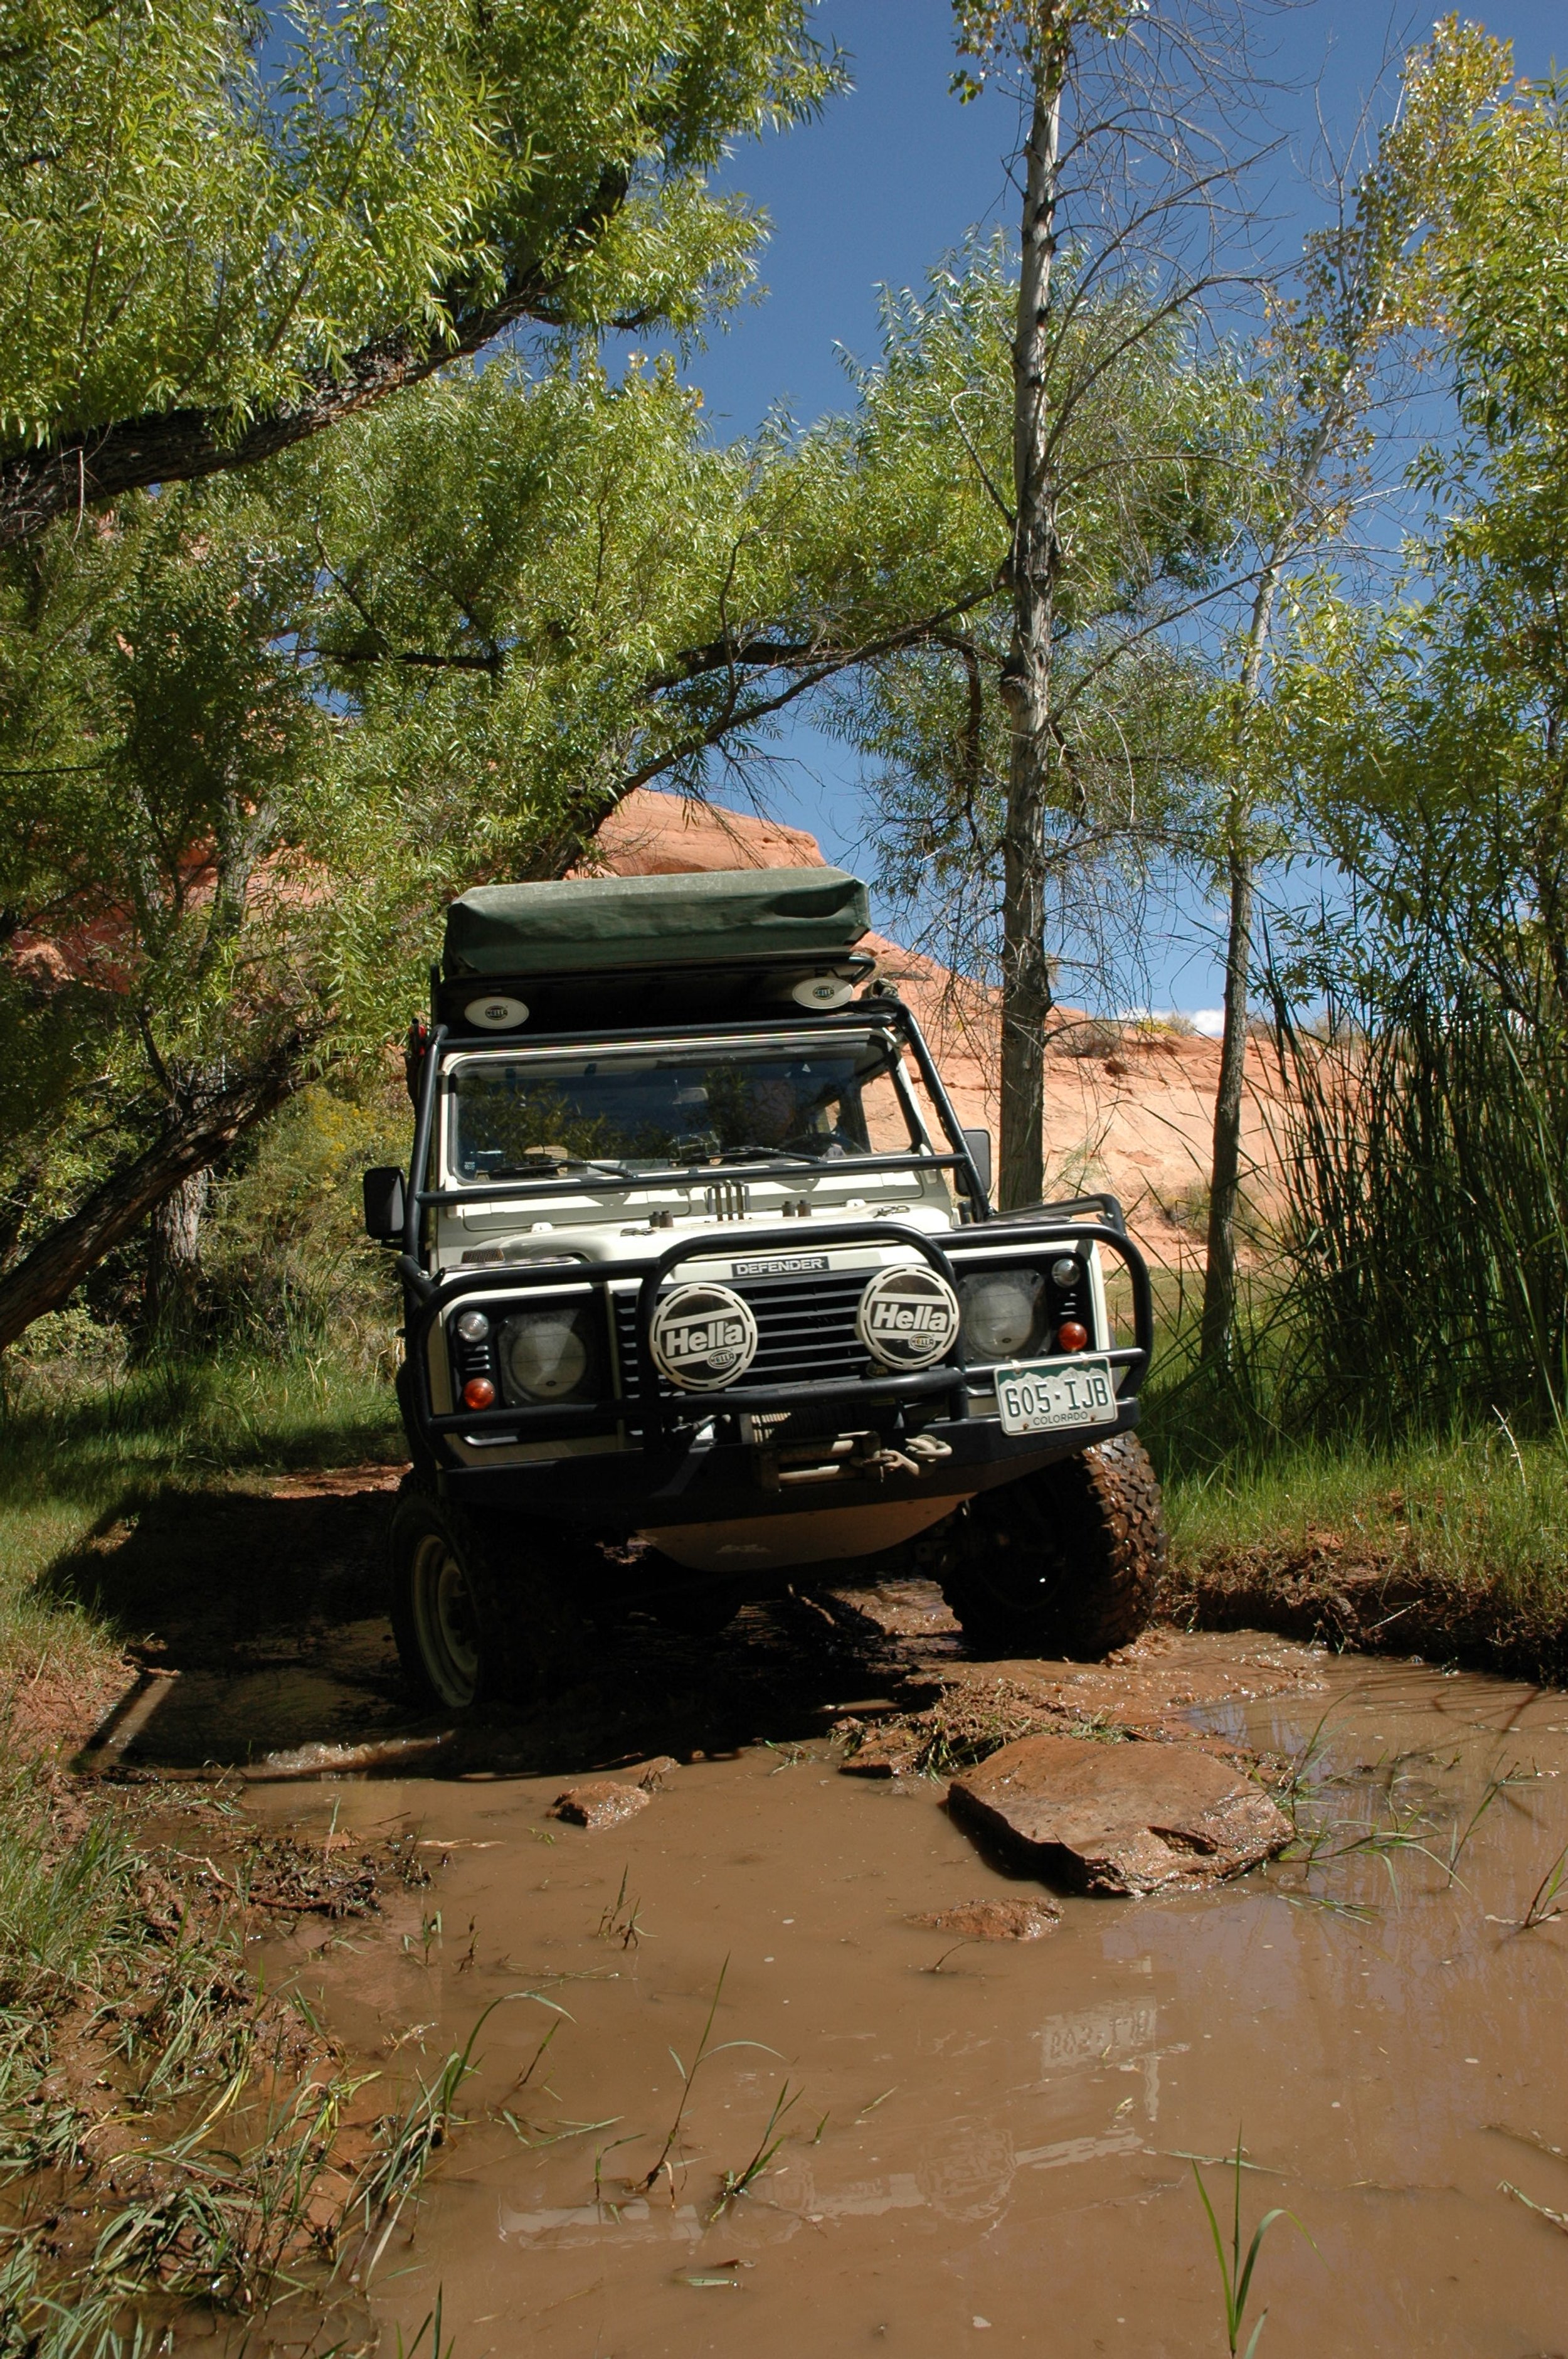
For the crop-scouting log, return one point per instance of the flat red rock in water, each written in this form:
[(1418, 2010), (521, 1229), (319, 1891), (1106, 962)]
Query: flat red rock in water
[(995, 1920), (1128, 1818), (602, 1802)]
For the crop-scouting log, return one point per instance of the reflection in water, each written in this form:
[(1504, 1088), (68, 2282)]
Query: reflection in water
[(968, 2174)]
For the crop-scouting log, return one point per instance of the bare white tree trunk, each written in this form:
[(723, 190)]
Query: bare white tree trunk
[(1027, 678), (1225, 1169)]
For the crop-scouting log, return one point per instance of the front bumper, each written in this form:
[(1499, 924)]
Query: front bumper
[(625, 1491), (669, 1457)]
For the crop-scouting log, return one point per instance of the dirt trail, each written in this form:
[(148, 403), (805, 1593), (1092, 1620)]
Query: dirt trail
[(986, 2137)]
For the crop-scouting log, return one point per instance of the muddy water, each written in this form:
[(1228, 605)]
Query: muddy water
[(993, 2140)]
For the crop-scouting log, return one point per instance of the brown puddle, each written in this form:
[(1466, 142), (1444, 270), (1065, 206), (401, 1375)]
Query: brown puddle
[(991, 2138)]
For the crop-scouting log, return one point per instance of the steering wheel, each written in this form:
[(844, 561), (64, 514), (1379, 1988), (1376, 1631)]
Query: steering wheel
[(822, 1143)]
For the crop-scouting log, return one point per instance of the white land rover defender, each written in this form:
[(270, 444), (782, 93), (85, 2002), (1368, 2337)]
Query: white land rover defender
[(705, 1298)]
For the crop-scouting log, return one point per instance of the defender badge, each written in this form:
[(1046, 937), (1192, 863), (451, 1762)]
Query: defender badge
[(908, 1318), (703, 1336)]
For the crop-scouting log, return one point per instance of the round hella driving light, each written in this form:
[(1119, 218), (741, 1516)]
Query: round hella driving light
[(544, 1354), (1000, 1313), (908, 1318), (497, 1014)]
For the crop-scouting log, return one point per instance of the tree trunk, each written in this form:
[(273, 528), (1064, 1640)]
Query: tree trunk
[(1225, 1169), (1027, 678), (1225, 1163), (174, 1253), (47, 1275)]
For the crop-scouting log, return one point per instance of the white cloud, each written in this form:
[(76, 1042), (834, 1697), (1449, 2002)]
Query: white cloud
[(1209, 1021)]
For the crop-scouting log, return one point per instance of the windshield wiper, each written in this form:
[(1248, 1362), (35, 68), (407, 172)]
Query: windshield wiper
[(542, 1167)]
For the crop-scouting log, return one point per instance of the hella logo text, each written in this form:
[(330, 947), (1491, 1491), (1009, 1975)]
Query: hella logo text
[(893, 1317)]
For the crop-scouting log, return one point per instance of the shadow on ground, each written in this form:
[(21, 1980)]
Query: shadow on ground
[(268, 1608)]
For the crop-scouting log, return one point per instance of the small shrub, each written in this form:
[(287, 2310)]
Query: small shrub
[(287, 1263), (1089, 1035), (68, 1346)]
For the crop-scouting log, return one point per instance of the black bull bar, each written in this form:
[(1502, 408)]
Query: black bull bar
[(664, 1408)]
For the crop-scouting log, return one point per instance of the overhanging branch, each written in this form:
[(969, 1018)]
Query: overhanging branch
[(44, 1277), (103, 463)]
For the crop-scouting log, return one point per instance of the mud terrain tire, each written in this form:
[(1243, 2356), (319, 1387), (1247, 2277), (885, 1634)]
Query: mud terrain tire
[(1066, 1562), (479, 1618)]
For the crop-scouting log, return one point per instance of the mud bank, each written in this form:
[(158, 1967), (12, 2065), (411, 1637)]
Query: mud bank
[(1340, 1590), (285, 1648)]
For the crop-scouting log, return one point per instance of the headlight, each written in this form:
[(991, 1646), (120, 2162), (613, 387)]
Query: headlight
[(547, 1354), (1003, 1314)]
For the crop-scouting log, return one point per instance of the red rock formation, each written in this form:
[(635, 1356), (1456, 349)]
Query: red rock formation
[(651, 835)]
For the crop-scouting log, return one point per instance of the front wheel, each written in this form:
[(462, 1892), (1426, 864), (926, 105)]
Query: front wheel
[(1066, 1562), (478, 1618)]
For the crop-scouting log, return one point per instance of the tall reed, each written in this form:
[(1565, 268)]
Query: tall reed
[(1426, 1153)]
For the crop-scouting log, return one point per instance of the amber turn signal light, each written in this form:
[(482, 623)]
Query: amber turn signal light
[(1071, 1335), (479, 1393)]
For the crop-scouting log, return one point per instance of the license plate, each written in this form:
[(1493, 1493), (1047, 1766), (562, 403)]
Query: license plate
[(1045, 1393)]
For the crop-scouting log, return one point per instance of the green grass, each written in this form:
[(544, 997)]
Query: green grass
[(1288, 1508), (1454, 1547), (1480, 1504), (76, 1445), (170, 2126)]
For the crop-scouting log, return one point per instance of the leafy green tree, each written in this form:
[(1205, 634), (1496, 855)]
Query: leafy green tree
[(1495, 630), (157, 741), (1431, 738), (226, 229), (1427, 742), (537, 594), (1363, 287), (1148, 451), (257, 729), (1127, 104)]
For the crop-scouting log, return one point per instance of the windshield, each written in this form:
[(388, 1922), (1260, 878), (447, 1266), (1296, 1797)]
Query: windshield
[(675, 1108)]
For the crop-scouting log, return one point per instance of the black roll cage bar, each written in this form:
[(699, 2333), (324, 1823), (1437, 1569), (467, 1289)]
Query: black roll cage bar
[(548, 1421), (418, 1197), (886, 1008)]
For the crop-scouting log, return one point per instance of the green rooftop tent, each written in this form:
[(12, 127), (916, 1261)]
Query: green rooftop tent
[(592, 924)]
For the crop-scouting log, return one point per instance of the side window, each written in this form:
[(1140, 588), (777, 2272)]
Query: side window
[(887, 1123), (928, 1118)]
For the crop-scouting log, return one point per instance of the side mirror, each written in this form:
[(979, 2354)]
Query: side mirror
[(384, 1204), (979, 1143)]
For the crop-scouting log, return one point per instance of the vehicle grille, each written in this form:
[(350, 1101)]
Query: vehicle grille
[(806, 1331)]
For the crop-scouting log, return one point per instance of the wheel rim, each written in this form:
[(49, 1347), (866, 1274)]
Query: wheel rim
[(1019, 1571), (444, 1621)]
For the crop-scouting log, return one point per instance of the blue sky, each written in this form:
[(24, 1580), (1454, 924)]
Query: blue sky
[(894, 174)]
